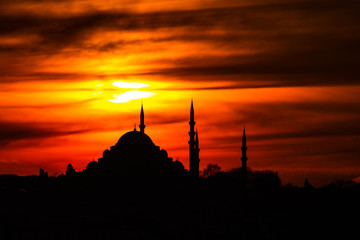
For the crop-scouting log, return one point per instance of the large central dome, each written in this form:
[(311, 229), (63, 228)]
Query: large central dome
[(135, 154), (135, 139)]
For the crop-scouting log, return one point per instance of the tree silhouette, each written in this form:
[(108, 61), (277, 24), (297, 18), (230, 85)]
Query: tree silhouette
[(211, 170)]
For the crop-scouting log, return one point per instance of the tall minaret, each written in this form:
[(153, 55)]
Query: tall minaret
[(142, 125), (197, 149), (193, 160), (244, 158)]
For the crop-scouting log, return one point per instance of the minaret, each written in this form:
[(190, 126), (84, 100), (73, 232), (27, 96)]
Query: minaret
[(244, 158), (193, 160), (142, 124), (197, 149)]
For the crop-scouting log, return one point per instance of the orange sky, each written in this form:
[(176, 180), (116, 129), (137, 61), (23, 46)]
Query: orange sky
[(73, 75)]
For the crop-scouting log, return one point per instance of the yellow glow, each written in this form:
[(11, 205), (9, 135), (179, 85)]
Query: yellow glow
[(130, 95), (129, 85)]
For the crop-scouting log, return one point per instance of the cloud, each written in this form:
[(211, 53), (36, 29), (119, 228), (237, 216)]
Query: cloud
[(161, 119), (52, 105), (15, 131), (321, 131), (298, 43)]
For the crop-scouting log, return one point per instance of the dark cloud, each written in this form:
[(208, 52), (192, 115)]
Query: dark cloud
[(300, 43), (157, 119), (322, 113), (255, 21), (15, 131), (302, 128), (316, 131), (51, 105), (9, 76)]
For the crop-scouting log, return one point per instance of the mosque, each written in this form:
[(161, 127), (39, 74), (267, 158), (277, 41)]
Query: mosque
[(136, 154)]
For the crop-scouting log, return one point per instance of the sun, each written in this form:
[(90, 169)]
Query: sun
[(130, 95)]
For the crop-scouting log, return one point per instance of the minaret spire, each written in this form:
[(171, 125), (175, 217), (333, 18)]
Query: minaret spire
[(244, 139), (193, 153), (192, 112), (244, 157), (142, 122)]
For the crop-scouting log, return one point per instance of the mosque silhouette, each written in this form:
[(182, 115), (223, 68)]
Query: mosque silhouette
[(135, 154)]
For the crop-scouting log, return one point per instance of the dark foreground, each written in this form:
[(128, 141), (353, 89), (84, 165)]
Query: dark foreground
[(33, 208)]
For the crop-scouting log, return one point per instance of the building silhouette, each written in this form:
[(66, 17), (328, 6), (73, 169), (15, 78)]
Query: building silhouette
[(136, 155), (193, 146)]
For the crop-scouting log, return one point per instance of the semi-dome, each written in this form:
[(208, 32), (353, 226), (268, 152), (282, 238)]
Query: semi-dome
[(135, 138)]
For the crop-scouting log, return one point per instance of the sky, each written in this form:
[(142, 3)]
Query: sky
[(73, 75)]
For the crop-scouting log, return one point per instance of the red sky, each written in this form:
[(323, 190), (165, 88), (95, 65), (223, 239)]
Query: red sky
[(288, 70)]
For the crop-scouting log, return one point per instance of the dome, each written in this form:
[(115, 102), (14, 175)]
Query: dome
[(135, 138), (92, 165)]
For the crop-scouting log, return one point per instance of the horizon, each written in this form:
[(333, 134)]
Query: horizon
[(73, 76)]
